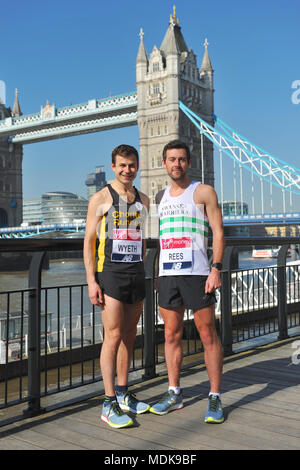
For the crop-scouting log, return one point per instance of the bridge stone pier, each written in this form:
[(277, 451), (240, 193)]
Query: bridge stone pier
[(11, 156), (168, 75)]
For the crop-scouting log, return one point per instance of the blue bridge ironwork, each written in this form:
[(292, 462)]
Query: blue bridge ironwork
[(228, 220)]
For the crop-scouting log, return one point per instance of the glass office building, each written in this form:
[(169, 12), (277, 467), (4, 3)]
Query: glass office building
[(95, 181), (62, 208), (32, 211)]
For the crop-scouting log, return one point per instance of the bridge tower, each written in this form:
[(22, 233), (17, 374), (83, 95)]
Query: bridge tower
[(170, 74), (11, 156)]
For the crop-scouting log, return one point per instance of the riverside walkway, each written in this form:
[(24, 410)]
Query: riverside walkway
[(260, 391)]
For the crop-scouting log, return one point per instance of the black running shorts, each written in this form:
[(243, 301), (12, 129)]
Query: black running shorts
[(187, 291), (126, 287)]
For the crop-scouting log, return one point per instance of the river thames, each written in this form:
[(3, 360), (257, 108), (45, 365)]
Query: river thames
[(60, 299), (66, 272)]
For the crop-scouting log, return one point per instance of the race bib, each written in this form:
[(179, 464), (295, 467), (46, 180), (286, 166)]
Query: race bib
[(177, 254), (127, 246)]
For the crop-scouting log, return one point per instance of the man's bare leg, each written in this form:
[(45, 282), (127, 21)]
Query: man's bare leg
[(132, 314), (113, 320), (173, 320), (127, 400), (213, 353)]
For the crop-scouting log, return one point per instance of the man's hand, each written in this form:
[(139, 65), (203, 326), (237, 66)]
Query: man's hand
[(95, 294), (213, 281)]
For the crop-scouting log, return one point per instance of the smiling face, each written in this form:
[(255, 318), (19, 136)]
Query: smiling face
[(125, 168), (176, 164)]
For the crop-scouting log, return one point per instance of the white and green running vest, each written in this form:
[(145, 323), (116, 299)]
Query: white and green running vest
[(183, 233)]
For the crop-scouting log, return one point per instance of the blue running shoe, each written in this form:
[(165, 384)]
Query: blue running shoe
[(128, 402), (214, 412), (170, 401), (114, 416)]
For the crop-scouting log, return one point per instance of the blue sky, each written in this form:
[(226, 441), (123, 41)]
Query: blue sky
[(70, 51)]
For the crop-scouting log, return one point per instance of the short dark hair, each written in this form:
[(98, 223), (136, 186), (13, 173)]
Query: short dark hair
[(124, 150), (176, 144)]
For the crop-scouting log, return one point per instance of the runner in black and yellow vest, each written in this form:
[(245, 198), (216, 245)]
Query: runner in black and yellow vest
[(121, 243), (117, 215)]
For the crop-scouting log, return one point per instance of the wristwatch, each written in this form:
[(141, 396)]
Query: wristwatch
[(217, 266)]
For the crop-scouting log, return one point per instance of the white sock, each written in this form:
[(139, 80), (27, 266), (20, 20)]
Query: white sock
[(215, 394), (175, 389)]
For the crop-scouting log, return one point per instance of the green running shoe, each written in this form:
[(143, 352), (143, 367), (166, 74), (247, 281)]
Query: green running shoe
[(170, 401), (214, 412), (128, 402), (114, 416)]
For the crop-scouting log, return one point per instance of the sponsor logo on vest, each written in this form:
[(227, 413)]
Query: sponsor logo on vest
[(127, 234), (177, 266), (175, 243), (128, 258)]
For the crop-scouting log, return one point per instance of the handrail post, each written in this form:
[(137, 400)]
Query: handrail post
[(281, 292), (34, 335), (149, 316), (229, 263)]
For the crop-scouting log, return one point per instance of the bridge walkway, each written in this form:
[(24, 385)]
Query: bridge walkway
[(260, 393)]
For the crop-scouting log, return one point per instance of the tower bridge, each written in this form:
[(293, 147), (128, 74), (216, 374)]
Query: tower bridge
[(54, 123), (174, 99)]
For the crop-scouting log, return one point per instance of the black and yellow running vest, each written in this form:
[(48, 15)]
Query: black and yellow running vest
[(121, 242)]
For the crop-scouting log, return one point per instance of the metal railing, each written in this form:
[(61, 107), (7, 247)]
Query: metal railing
[(260, 301), (46, 348)]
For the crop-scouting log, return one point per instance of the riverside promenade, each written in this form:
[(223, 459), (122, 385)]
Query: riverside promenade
[(260, 395)]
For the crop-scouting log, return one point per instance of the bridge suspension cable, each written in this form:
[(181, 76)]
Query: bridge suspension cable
[(248, 155)]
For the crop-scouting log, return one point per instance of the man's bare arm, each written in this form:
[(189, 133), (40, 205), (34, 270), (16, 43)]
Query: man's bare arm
[(158, 198), (96, 210), (206, 195)]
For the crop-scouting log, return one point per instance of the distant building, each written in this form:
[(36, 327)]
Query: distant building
[(32, 211), (234, 208), (62, 207), (95, 181), (55, 208)]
